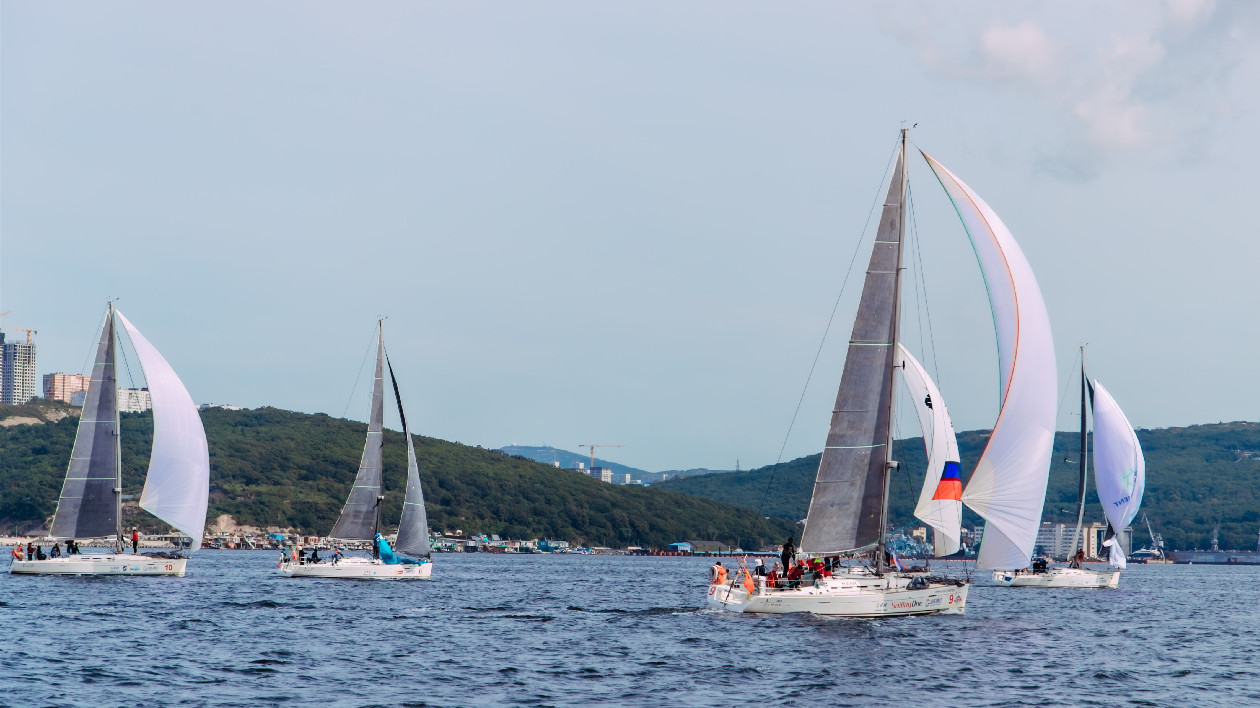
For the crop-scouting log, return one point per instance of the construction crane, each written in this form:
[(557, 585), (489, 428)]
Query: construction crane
[(29, 332), (592, 447)]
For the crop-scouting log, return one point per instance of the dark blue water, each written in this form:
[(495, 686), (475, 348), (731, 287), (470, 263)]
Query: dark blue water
[(622, 631)]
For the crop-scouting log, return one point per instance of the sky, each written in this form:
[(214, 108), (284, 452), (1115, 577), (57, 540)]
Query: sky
[(628, 222)]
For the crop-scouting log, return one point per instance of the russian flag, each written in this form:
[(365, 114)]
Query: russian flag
[(950, 486)]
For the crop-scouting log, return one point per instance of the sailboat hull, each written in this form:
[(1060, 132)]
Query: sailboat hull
[(358, 568), (101, 564), (844, 597), (1058, 578)]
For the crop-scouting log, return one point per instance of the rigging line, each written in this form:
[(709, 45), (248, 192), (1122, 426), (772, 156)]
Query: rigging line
[(127, 364), (843, 285), (358, 376), (918, 278), (927, 306), (1067, 384)]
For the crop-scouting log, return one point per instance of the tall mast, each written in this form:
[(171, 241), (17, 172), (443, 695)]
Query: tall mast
[(889, 463), (118, 530), (380, 490), (1081, 486)]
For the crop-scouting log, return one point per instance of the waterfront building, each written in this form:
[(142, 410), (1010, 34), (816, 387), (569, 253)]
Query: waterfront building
[(1056, 540), (62, 387), (134, 400), (17, 371)]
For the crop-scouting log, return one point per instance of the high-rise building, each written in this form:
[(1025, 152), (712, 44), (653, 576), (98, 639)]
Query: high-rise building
[(134, 400), (17, 372), (62, 387)]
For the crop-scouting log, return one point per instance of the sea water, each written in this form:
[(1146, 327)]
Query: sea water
[(569, 630)]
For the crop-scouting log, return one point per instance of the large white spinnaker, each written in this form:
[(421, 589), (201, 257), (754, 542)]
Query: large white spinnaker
[(177, 486), (1008, 486), (1119, 467), (938, 505)]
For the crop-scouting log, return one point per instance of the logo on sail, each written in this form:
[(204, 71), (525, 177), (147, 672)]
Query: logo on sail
[(950, 486)]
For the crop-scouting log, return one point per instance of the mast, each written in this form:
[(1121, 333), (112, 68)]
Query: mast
[(113, 392), (1084, 471), (380, 489), (889, 463)]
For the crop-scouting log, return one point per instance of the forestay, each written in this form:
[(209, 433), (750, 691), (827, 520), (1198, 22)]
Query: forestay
[(939, 505), (1119, 467), (88, 506), (846, 508), (359, 516), (177, 486), (1008, 487)]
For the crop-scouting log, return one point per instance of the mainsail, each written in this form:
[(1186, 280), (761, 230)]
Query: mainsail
[(177, 485), (1119, 467), (413, 527), (88, 506), (846, 510), (360, 516), (1008, 486), (938, 505)]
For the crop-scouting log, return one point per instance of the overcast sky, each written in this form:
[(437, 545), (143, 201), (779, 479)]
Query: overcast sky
[(627, 222)]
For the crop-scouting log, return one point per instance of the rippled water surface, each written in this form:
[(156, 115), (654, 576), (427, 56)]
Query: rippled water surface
[(596, 630)]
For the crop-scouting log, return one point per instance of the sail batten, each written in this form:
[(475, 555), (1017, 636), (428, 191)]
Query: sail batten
[(177, 485), (847, 506), (359, 516), (1008, 485), (88, 505)]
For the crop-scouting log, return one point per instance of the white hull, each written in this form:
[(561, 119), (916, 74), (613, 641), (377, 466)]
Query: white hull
[(362, 568), (1058, 578), (844, 597), (101, 564)]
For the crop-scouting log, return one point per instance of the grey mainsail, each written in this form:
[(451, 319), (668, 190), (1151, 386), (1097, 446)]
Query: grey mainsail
[(847, 508), (413, 527), (89, 502), (360, 517)]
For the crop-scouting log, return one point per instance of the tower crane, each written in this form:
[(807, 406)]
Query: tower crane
[(593, 446), (29, 332)]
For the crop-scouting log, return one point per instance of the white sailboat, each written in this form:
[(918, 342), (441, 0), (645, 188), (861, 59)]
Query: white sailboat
[(1120, 476), (176, 487), (360, 518), (848, 511)]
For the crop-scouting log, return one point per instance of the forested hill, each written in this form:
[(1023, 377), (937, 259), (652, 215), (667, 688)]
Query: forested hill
[(1194, 477), (278, 468)]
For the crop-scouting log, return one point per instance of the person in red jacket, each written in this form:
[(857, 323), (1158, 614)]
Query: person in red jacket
[(135, 541)]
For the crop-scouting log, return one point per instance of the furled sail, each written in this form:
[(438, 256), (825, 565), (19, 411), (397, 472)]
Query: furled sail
[(177, 486), (846, 509), (1119, 467), (1008, 487), (413, 527), (88, 506), (359, 516), (939, 505)]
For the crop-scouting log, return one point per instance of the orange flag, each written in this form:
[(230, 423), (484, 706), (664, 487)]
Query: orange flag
[(748, 581)]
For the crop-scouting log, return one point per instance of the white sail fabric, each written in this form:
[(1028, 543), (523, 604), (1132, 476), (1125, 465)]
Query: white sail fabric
[(1115, 553), (1008, 486), (943, 515), (177, 486), (1119, 468)]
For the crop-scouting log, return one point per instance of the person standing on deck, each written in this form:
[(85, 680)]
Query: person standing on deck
[(135, 541), (789, 552)]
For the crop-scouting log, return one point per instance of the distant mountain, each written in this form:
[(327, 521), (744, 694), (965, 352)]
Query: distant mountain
[(270, 467), (1195, 476), (569, 460)]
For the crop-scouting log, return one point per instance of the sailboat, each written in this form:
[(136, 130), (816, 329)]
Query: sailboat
[(176, 487), (848, 511), (1120, 476), (360, 518)]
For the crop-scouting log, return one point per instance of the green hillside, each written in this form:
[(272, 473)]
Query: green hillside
[(278, 468), (1194, 476)]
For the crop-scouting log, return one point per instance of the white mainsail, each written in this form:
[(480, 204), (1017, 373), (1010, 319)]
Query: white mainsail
[(1008, 486), (1119, 467), (944, 515), (177, 486)]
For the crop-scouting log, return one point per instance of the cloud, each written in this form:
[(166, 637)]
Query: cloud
[(1122, 80)]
